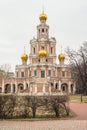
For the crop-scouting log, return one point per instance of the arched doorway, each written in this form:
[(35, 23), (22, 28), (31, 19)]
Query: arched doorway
[(64, 87), (14, 88), (56, 85), (51, 84), (20, 87), (71, 87), (8, 88), (0, 90)]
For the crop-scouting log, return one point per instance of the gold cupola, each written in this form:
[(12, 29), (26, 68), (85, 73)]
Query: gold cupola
[(43, 16), (61, 57), (24, 56), (42, 53)]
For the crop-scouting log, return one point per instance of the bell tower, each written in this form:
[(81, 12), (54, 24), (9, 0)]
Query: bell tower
[(42, 28), (42, 48)]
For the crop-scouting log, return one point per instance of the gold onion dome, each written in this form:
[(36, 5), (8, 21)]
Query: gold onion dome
[(61, 57), (43, 16), (42, 53), (24, 56)]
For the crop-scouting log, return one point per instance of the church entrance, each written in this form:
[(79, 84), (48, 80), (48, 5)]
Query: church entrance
[(64, 87)]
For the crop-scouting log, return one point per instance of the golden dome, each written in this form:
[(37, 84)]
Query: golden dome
[(42, 53), (43, 16), (24, 56), (61, 56)]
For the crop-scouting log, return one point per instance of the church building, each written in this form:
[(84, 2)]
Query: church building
[(42, 75)]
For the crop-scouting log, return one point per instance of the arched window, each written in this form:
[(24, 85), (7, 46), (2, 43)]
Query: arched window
[(34, 50), (42, 29), (51, 50), (49, 72), (63, 73), (22, 74), (42, 73)]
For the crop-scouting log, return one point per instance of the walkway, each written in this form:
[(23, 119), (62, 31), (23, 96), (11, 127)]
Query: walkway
[(80, 109), (44, 125)]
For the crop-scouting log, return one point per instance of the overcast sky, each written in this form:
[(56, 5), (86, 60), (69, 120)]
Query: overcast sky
[(18, 20)]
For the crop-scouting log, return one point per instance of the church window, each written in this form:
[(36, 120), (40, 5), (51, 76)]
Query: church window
[(49, 72), (42, 47), (46, 60), (53, 73), (17, 74), (22, 74), (26, 85), (42, 73), (51, 50), (34, 50), (35, 72), (39, 60), (63, 73), (42, 29), (29, 73)]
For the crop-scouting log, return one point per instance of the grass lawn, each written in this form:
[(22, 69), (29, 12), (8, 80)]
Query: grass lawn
[(77, 98)]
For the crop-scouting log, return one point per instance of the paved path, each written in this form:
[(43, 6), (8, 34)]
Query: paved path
[(44, 125), (80, 109)]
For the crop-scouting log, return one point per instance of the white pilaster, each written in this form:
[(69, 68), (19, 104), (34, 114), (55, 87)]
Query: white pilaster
[(36, 88), (54, 85), (59, 85), (69, 87), (50, 90), (3, 87), (30, 89), (11, 88), (24, 85), (44, 88), (74, 88), (16, 88)]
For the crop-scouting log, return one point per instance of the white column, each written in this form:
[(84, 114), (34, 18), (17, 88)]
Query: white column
[(28, 84), (54, 85), (24, 85), (44, 88), (3, 87), (59, 85), (11, 88), (36, 88), (74, 88), (30, 89), (50, 90), (69, 87), (16, 87)]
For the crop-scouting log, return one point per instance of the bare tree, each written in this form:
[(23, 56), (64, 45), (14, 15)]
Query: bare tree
[(78, 64), (5, 68)]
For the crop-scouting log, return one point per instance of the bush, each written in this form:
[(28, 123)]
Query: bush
[(14, 106)]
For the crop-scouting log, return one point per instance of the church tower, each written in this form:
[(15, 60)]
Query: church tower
[(43, 43)]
